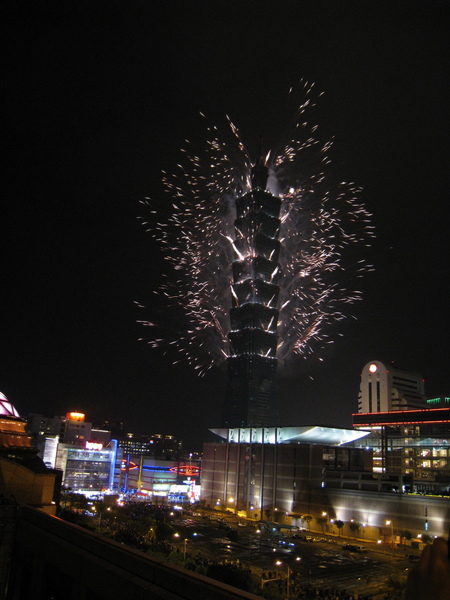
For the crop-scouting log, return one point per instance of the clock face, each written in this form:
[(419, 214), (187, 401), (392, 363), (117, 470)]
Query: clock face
[(373, 368)]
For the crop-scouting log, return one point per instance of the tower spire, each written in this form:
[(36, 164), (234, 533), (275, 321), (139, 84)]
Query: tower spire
[(260, 173)]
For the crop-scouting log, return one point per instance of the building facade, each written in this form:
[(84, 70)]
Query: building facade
[(90, 469), (152, 467), (161, 481), (409, 435), (70, 429), (296, 479), (384, 388), (276, 469), (88, 459), (412, 443), (158, 445)]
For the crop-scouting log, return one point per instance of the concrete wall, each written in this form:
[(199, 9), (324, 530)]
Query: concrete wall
[(406, 512), (27, 486), (51, 558)]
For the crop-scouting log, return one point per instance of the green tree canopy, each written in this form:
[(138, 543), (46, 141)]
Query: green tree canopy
[(354, 527), (339, 524)]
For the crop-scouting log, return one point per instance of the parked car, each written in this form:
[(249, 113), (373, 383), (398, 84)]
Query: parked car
[(353, 548)]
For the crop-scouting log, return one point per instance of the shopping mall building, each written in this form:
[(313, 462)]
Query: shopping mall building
[(390, 473)]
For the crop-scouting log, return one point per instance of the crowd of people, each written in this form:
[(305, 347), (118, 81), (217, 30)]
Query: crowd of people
[(310, 592)]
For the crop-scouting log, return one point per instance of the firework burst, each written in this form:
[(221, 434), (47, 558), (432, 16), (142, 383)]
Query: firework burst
[(324, 231)]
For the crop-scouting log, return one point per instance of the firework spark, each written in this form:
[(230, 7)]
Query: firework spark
[(324, 226)]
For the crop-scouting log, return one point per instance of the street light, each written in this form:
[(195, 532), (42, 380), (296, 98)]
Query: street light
[(184, 548), (258, 533), (324, 521), (288, 579), (177, 537), (392, 531)]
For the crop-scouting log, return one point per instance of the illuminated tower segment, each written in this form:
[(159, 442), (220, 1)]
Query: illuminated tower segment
[(252, 362)]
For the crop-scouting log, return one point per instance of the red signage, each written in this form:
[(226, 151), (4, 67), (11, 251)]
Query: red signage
[(186, 470)]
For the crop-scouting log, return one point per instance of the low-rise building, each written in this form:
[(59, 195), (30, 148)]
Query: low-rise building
[(24, 478)]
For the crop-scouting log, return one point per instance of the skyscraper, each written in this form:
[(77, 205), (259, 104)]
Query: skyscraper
[(252, 363)]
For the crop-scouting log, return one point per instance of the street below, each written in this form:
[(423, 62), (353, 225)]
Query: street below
[(305, 558)]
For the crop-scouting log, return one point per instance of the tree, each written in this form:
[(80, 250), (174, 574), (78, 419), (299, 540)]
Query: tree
[(77, 518), (268, 513), (133, 524), (100, 509), (397, 583), (307, 518), (176, 558), (163, 531), (74, 500), (354, 527), (339, 524), (405, 534), (322, 521)]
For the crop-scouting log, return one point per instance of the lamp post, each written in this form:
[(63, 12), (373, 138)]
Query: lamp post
[(288, 574), (392, 531), (324, 521), (391, 554), (258, 533), (185, 541)]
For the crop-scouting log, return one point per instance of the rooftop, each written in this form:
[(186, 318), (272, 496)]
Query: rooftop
[(312, 434)]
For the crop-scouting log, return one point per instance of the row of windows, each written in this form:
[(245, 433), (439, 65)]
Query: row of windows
[(410, 381), (378, 399)]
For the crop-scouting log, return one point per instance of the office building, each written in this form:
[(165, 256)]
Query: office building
[(158, 445), (409, 435), (252, 362), (384, 387), (88, 458), (413, 443)]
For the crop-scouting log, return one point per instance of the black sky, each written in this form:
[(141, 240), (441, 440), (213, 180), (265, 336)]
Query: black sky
[(99, 100)]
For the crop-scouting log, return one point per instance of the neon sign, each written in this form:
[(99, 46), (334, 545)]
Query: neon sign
[(75, 416), (93, 446), (131, 465), (186, 470)]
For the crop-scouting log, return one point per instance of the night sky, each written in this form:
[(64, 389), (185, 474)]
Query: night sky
[(99, 101)]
